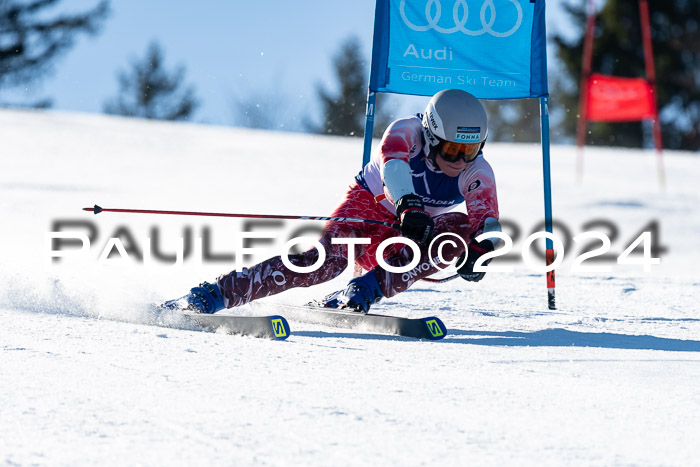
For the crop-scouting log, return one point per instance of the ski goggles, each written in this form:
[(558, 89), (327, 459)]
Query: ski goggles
[(453, 152)]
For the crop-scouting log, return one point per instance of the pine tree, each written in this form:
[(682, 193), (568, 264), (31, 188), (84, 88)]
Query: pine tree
[(33, 36), (344, 112), (618, 51), (150, 91)]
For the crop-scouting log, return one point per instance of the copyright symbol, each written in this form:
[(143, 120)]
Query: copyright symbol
[(440, 246)]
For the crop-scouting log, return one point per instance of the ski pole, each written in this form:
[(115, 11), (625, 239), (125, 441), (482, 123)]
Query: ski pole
[(97, 209), (440, 281)]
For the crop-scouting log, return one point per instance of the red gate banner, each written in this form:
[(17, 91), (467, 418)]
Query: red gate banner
[(615, 99)]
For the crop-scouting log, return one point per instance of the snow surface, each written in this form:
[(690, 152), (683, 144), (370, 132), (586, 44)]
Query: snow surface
[(87, 376)]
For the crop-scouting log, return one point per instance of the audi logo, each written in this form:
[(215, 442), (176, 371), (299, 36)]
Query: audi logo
[(461, 21)]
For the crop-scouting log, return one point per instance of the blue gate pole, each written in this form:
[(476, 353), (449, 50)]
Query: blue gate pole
[(544, 126), (369, 126)]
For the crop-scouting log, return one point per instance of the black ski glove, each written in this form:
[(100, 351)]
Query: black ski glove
[(416, 224), (476, 250)]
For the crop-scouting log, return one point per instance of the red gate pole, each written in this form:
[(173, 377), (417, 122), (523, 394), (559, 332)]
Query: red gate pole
[(651, 77), (583, 89)]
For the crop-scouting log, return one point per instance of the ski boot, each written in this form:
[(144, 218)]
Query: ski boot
[(206, 298), (359, 295)]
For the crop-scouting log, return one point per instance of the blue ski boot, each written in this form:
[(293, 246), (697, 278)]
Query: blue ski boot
[(359, 295), (206, 298)]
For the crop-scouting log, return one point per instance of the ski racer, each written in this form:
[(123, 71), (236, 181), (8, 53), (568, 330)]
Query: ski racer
[(426, 166)]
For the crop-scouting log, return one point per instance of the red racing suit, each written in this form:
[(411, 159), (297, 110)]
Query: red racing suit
[(366, 198)]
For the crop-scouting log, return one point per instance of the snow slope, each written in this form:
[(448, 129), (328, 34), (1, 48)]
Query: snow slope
[(88, 377)]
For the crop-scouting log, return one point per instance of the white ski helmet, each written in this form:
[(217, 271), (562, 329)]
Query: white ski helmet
[(456, 116)]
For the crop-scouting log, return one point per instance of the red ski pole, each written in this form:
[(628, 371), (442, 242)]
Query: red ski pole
[(97, 209)]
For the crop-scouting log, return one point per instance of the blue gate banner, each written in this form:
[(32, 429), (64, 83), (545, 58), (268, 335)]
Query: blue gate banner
[(494, 49)]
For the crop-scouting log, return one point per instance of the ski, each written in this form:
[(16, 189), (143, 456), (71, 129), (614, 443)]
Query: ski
[(430, 327), (273, 327)]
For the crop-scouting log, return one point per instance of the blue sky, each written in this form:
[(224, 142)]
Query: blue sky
[(278, 50)]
